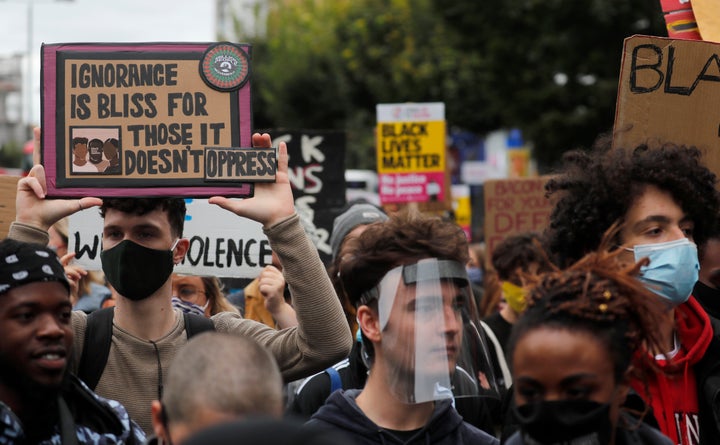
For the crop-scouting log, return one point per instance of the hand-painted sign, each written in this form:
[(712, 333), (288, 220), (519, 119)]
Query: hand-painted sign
[(513, 206), (316, 171), (8, 188), (235, 247), (149, 119), (668, 92)]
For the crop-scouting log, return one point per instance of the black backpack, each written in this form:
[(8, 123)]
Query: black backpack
[(98, 337)]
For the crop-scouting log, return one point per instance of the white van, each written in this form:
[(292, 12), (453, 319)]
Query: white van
[(362, 184)]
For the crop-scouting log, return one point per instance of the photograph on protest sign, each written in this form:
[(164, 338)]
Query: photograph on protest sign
[(668, 91), (150, 119)]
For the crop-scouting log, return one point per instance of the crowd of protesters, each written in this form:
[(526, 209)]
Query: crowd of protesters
[(589, 332)]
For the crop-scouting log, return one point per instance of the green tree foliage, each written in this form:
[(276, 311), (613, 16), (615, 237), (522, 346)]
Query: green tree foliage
[(549, 67), (326, 64), (552, 65), (11, 155)]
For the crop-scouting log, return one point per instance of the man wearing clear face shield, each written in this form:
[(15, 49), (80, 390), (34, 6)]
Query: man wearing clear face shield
[(407, 278)]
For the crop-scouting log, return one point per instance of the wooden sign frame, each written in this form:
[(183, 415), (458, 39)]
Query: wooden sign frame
[(166, 110)]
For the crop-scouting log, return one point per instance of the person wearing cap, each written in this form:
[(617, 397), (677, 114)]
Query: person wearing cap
[(40, 401), (407, 279), (348, 225)]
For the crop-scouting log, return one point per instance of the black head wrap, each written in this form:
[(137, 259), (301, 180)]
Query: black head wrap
[(24, 263)]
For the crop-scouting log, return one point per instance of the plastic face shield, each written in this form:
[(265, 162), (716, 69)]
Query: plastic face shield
[(430, 343)]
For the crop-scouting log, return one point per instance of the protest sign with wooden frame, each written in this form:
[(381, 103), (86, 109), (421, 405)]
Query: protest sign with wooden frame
[(149, 119)]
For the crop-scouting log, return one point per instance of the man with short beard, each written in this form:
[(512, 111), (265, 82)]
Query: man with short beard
[(40, 402)]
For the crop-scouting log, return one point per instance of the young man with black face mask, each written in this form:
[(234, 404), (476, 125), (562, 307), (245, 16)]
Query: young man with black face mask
[(40, 402), (665, 201), (142, 240)]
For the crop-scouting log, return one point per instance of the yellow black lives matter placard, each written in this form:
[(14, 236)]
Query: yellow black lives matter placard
[(140, 120)]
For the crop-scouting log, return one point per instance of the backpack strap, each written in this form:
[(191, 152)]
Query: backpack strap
[(195, 324), (98, 338), (335, 380), (68, 434), (499, 354), (96, 348)]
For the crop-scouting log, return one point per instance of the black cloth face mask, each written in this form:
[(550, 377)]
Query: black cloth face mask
[(565, 422), (135, 271), (709, 298)]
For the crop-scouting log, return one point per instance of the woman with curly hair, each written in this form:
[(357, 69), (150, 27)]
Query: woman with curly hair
[(595, 189), (575, 350), (665, 201)]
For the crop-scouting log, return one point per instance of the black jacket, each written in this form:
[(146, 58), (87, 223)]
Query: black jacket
[(341, 413), (707, 374), (90, 418), (314, 391), (642, 435)]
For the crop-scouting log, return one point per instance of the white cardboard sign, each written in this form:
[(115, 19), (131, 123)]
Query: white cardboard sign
[(221, 243)]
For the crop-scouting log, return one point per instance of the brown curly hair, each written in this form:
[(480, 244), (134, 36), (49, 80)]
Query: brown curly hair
[(405, 238), (601, 296), (596, 189)]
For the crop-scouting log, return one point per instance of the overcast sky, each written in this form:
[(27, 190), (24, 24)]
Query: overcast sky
[(62, 21)]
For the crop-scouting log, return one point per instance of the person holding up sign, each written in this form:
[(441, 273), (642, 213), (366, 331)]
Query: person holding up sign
[(142, 241)]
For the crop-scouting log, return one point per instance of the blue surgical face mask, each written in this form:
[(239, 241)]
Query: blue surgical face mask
[(190, 308), (673, 268), (475, 275)]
